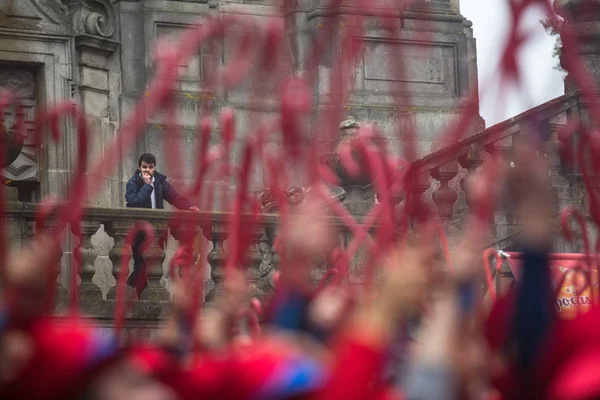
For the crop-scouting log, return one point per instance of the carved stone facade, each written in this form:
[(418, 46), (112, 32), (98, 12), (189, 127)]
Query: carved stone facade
[(22, 82), (101, 52)]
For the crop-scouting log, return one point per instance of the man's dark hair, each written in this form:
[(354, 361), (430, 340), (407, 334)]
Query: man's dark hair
[(148, 158)]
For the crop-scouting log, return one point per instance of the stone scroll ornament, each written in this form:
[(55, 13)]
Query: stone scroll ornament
[(366, 153)]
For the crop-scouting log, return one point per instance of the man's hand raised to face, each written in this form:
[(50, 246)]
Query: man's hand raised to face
[(147, 178)]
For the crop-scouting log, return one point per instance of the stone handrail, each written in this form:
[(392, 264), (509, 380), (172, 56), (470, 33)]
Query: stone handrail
[(451, 164), (101, 225), (101, 259), (500, 131)]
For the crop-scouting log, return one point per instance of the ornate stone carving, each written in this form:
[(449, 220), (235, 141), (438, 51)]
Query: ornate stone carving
[(101, 18), (93, 17), (13, 144), (359, 196), (266, 268), (54, 10), (21, 151), (253, 262), (270, 260)]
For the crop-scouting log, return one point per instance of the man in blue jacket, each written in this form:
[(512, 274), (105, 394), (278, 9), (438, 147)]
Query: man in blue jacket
[(148, 188)]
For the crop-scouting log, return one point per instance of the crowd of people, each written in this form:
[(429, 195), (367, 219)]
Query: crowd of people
[(415, 334)]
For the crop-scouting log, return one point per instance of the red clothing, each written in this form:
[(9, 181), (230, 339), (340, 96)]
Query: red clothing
[(269, 369), (65, 357), (357, 373)]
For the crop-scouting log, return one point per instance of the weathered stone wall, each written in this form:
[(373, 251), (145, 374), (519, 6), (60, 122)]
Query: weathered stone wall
[(102, 55), (435, 43)]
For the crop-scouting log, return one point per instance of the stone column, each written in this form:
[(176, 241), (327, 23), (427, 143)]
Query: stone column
[(118, 230), (61, 294), (417, 189), (217, 257), (471, 161), (155, 257), (187, 235), (96, 37), (582, 17), (504, 218), (271, 258), (445, 197), (268, 264), (88, 291), (253, 262)]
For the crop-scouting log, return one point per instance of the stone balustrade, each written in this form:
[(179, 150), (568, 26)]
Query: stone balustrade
[(444, 171), (103, 247), (104, 230)]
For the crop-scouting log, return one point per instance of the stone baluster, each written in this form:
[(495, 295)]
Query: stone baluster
[(471, 161), (418, 187), (61, 295), (88, 291), (558, 173), (500, 147), (581, 18), (275, 256), (445, 197), (265, 282), (188, 234), (154, 257), (253, 262), (504, 218), (270, 260), (217, 257), (118, 230)]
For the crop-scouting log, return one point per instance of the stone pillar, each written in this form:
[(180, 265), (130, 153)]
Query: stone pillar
[(118, 230), (271, 259), (582, 17), (61, 295), (561, 185), (253, 262), (155, 257), (187, 235), (504, 217), (88, 291), (267, 266), (471, 161), (217, 257), (95, 31), (444, 57), (445, 197), (417, 189)]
